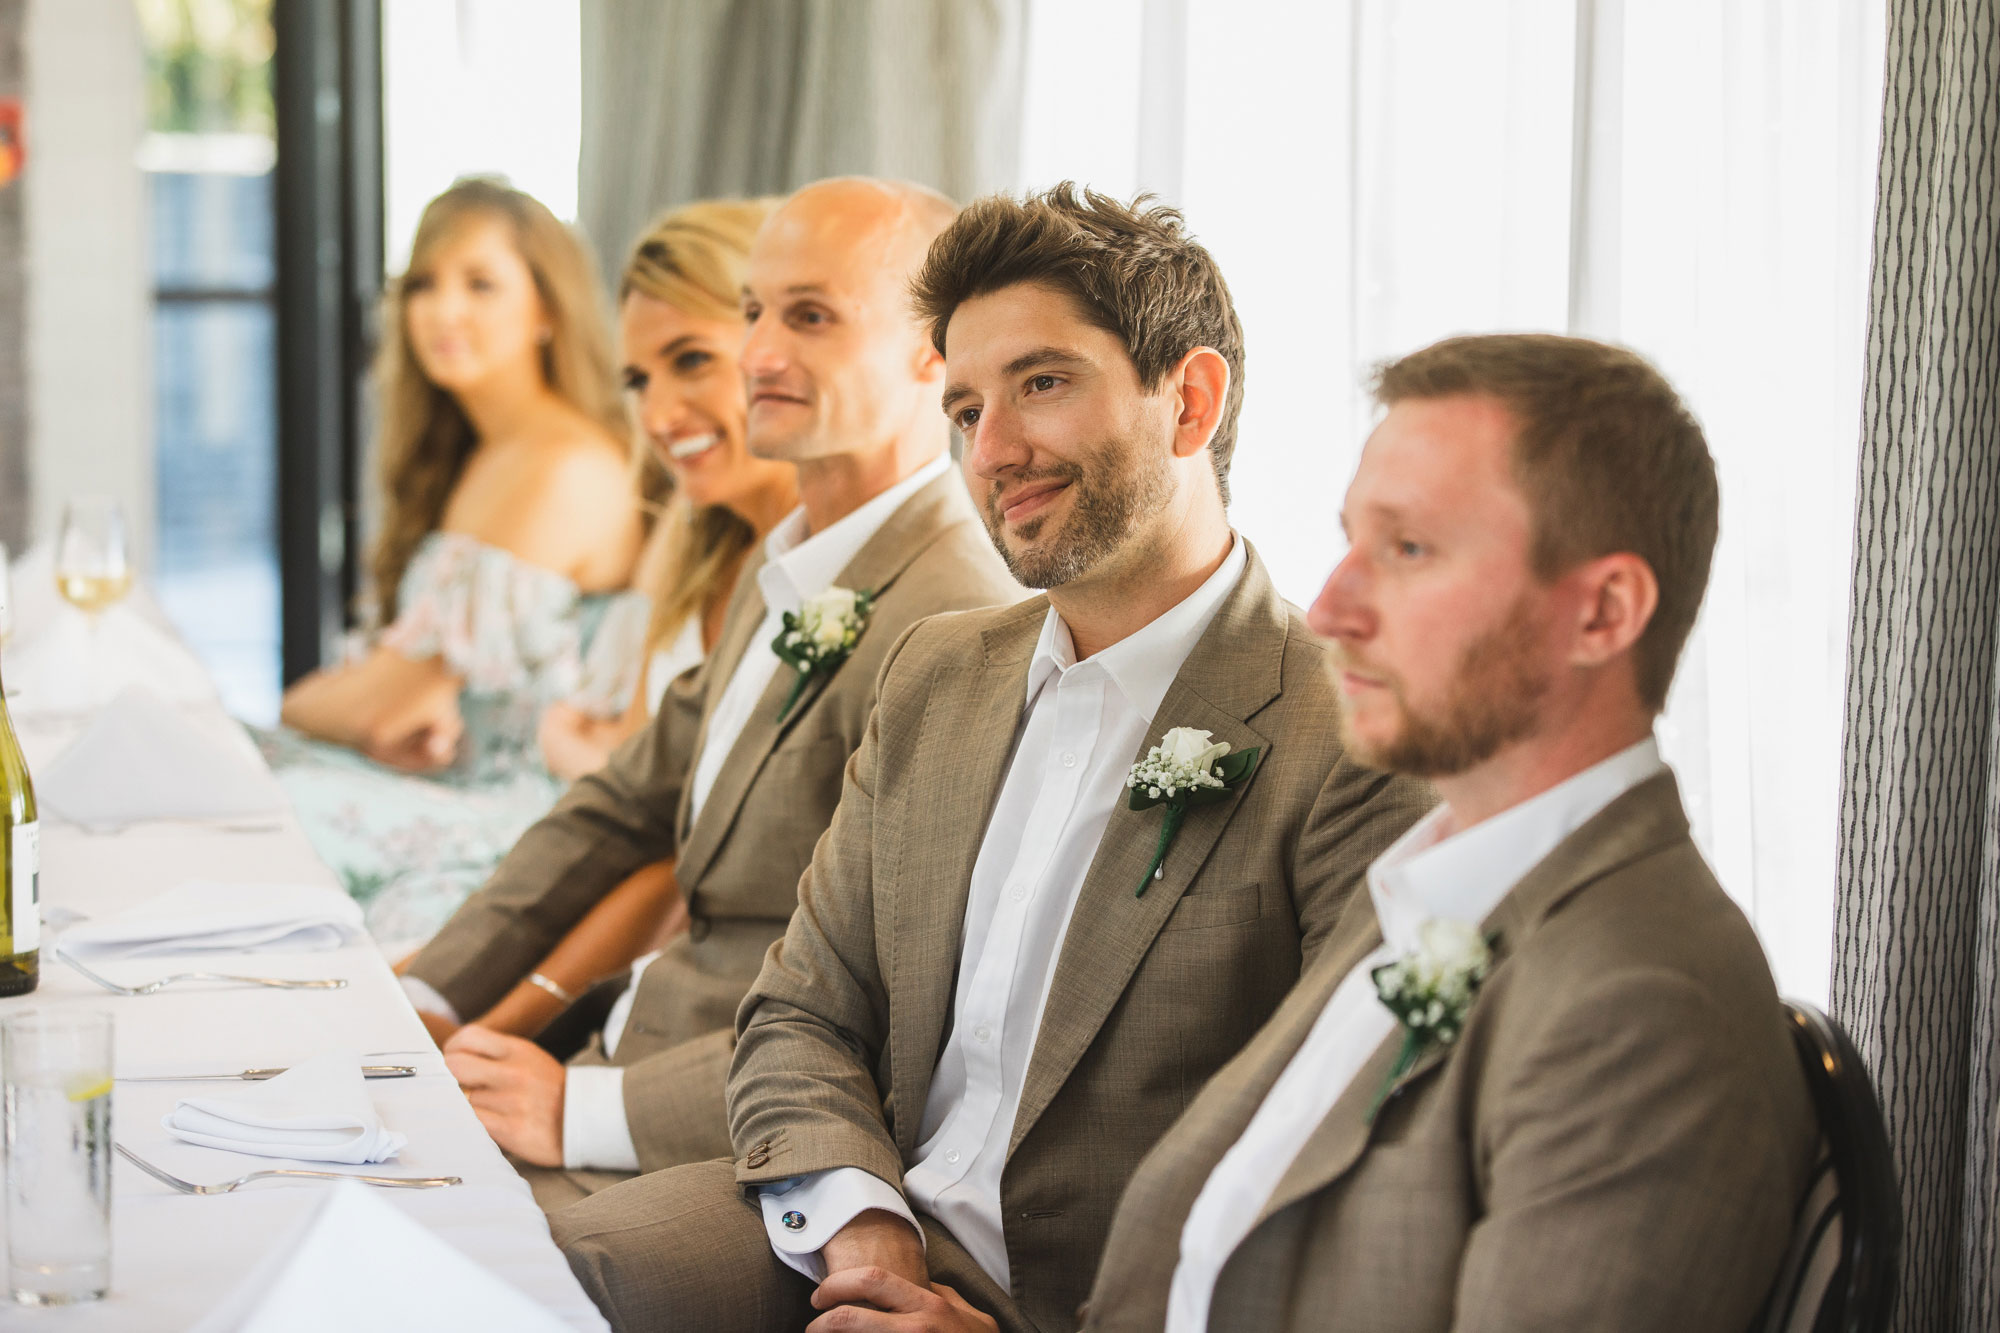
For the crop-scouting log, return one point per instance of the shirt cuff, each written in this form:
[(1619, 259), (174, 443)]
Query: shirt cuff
[(426, 999), (802, 1214), (595, 1134)]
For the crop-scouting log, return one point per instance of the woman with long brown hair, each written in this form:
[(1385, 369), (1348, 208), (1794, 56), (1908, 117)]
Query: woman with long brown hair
[(680, 329), (510, 527)]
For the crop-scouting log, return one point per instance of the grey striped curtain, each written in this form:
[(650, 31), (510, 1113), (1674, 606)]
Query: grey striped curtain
[(1917, 955), (694, 99)]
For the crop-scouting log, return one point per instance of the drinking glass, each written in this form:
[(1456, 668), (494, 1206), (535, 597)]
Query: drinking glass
[(93, 565), (58, 1155)]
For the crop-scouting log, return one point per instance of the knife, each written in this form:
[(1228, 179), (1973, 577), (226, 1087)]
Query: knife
[(259, 1075)]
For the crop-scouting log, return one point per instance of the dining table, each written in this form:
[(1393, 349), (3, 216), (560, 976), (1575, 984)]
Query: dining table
[(175, 1256)]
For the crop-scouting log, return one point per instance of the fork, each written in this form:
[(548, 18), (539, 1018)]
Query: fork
[(189, 1187), (276, 983)]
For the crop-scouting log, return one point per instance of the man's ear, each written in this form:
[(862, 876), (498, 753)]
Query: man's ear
[(1620, 595), (929, 363), (1201, 385)]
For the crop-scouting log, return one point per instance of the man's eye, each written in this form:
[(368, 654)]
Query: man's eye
[(1042, 383), (1408, 549), (967, 418), (809, 316)]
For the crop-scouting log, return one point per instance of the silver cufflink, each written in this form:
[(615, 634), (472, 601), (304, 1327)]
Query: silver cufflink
[(794, 1221)]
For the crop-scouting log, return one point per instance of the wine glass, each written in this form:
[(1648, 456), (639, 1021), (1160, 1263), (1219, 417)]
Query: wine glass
[(93, 564)]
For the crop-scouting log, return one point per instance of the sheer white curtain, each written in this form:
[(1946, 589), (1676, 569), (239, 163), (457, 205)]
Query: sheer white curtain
[(1694, 178)]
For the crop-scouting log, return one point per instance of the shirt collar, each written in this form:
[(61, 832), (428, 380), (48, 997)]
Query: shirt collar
[(798, 567), (1143, 664), (1465, 876)]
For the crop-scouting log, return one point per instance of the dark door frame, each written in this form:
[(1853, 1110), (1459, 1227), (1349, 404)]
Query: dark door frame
[(327, 86)]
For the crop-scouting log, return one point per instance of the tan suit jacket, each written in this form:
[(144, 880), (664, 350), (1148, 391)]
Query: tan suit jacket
[(838, 1039), (738, 865), (1617, 1140)]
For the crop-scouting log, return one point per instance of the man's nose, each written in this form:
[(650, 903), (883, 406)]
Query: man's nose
[(995, 445), (1341, 609), (763, 350)]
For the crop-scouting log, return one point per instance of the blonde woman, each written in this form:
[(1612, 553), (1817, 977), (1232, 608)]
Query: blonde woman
[(510, 529), (680, 329)]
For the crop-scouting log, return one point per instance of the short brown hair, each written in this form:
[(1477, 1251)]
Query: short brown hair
[(1608, 457), (1131, 270)]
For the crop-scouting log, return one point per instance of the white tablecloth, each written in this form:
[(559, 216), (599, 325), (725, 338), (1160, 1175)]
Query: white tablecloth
[(174, 1256)]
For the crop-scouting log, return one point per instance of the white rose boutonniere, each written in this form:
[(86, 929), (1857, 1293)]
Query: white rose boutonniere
[(1184, 770), (820, 636), (1430, 991)]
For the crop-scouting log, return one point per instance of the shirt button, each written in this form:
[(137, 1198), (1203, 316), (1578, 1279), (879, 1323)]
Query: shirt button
[(1069, 759), (983, 1032), (952, 1156), (1020, 893)]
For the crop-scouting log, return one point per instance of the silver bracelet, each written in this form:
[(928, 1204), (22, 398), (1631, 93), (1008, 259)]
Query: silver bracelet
[(537, 979)]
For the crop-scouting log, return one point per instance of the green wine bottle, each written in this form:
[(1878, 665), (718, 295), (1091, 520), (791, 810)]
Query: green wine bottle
[(20, 866)]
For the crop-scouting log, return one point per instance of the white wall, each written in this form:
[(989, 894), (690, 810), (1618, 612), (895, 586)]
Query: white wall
[(90, 354)]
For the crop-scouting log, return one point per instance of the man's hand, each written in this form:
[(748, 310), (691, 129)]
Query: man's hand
[(876, 1239), (873, 1298), (442, 1029), (516, 1090)]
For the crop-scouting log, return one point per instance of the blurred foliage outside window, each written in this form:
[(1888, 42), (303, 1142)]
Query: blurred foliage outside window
[(208, 66)]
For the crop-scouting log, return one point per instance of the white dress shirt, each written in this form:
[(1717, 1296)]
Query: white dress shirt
[(1423, 876), (796, 568), (1081, 725)]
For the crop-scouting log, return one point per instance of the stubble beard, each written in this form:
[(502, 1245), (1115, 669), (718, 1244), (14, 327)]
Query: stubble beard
[(1496, 700), (1106, 504)]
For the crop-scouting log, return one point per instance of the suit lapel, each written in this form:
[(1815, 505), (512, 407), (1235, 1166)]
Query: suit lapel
[(1232, 673), (885, 555), (968, 734), (1638, 822)]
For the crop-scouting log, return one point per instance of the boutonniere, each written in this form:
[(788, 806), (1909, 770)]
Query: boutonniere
[(821, 636), (1185, 770), (1430, 991)]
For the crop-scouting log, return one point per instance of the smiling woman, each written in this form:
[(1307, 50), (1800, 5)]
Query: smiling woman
[(511, 527)]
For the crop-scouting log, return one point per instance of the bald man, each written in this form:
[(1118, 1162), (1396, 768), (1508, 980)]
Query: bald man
[(741, 769)]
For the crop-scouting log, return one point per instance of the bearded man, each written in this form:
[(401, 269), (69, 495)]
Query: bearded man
[(1011, 967), (1542, 1079)]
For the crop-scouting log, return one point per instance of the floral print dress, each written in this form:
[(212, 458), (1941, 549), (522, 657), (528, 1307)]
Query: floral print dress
[(410, 848)]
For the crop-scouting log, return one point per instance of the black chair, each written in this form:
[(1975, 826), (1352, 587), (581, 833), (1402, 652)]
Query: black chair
[(1840, 1274)]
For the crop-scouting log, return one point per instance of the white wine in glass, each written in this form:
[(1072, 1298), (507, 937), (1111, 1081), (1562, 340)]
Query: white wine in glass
[(93, 566)]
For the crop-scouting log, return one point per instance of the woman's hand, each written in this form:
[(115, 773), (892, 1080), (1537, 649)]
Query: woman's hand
[(574, 743)]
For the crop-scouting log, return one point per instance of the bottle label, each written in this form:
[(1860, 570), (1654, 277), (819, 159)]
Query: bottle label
[(25, 893)]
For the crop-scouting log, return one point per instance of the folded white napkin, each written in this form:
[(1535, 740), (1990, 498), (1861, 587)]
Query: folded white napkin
[(143, 757), (64, 664), (358, 1261), (318, 1111), (203, 917)]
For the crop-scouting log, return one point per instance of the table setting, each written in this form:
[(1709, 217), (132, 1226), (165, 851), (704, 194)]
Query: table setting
[(226, 1110)]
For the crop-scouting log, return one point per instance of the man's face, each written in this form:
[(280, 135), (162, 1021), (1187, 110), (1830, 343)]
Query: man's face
[(1443, 632), (834, 361), (1069, 458)]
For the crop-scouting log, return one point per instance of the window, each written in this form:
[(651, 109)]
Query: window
[(1694, 178), (208, 160)]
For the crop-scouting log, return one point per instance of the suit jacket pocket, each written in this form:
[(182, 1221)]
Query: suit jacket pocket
[(1218, 907)]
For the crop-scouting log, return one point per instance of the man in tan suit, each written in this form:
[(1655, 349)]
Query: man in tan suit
[(739, 773), (1004, 980), (1541, 1079)]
